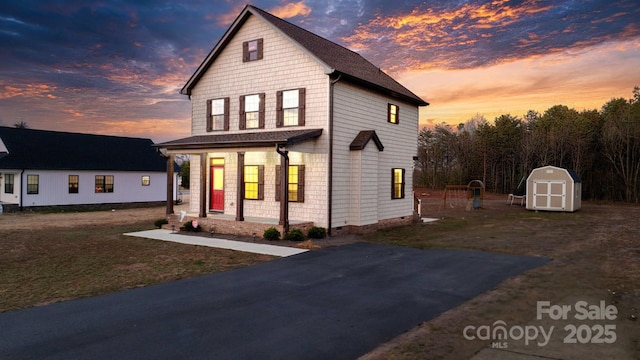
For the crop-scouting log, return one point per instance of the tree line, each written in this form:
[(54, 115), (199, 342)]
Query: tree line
[(603, 147)]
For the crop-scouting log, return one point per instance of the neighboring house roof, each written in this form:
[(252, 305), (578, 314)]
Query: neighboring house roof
[(362, 139), (336, 59), (51, 150), (256, 139)]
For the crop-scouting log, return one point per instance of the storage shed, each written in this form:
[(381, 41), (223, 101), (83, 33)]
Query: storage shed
[(551, 188)]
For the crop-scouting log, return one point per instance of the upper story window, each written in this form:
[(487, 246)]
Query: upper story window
[(252, 111), (8, 183), (146, 180), (290, 107), (252, 50), (392, 113), (218, 114)]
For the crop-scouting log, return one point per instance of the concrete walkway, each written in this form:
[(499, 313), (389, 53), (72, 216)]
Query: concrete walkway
[(167, 235)]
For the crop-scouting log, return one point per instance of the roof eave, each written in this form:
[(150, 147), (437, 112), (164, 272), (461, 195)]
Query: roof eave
[(415, 99)]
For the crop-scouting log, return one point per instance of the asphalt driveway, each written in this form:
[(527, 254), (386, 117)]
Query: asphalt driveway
[(336, 303)]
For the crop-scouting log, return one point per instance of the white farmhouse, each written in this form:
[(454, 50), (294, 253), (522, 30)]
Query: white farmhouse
[(40, 168), (279, 113)]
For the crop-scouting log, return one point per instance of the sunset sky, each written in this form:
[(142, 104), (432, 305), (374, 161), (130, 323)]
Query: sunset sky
[(116, 67)]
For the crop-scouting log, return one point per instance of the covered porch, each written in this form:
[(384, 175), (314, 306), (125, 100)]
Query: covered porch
[(223, 198)]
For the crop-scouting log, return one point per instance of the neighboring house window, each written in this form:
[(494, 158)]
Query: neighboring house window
[(218, 114), (33, 183), (252, 50), (254, 182), (296, 183), (392, 113), (290, 105), (252, 111), (8, 183), (397, 180), (74, 183), (104, 183), (146, 180)]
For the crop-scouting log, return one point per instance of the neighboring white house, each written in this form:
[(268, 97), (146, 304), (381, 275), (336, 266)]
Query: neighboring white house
[(49, 168), (273, 96)]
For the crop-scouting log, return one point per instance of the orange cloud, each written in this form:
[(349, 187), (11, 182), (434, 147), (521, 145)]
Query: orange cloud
[(426, 29), (27, 90), (73, 113), (291, 10)]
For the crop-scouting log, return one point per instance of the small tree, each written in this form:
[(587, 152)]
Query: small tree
[(185, 174)]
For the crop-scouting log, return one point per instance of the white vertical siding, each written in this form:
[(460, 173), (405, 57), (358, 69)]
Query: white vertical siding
[(11, 198), (53, 188)]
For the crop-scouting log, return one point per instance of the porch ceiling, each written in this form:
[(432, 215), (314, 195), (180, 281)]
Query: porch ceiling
[(250, 139)]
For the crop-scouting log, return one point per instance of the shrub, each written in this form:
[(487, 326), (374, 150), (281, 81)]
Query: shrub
[(158, 223), (271, 234), (188, 226), (317, 232), (294, 235)]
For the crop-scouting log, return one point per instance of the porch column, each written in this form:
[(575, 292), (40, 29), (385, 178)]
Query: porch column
[(284, 189), (170, 176), (203, 185), (240, 188)]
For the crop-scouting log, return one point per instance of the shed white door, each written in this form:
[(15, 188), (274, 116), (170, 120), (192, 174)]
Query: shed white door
[(549, 194)]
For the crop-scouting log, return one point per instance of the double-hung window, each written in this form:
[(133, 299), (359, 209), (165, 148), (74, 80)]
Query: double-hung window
[(8, 183), (254, 182), (295, 185), (218, 114), (104, 183), (33, 184), (290, 106), (397, 183), (392, 113), (252, 111), (74, 184)]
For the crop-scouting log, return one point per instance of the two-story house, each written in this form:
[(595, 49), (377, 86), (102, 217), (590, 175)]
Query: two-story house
[(279, 113)]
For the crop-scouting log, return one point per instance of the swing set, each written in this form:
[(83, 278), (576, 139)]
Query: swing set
[(469, 196)]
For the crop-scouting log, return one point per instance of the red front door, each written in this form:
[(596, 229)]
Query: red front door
[(217, 188)]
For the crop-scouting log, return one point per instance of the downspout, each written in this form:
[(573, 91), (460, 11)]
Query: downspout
[(21, 188), (284, 191), (330, 172)]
